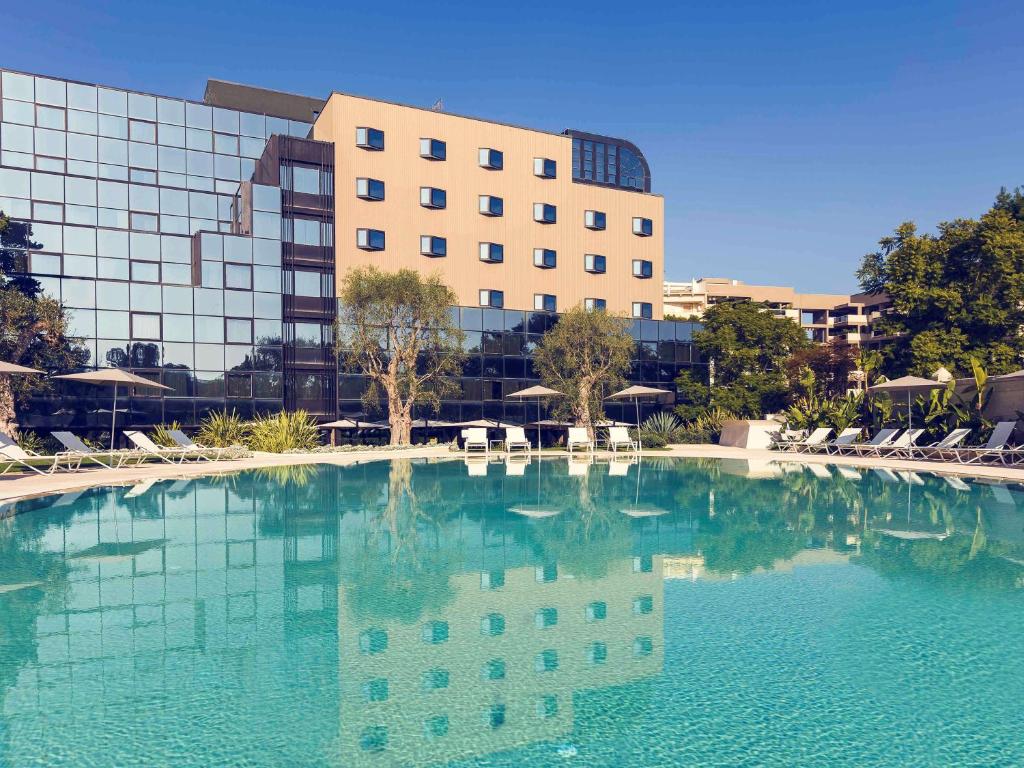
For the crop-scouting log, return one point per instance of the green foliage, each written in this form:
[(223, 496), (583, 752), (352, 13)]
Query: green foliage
[(221, 429), (747, 349), (283, 431), (822, 369), (585, 356), (33, 327), (956, 295), (161, 434), (31, 441), (839, 413), (397, 329), (660, 429)]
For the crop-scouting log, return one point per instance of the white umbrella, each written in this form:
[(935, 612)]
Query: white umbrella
[(103, 377), (537, 392), (636, 392), (910, 385)]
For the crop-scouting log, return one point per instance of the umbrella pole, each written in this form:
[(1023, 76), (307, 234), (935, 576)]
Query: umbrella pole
[(113, 418), (538, 436), (636, 402)]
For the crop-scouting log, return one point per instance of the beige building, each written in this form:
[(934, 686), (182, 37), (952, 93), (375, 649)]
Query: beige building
[(823, 316), (506, 215)]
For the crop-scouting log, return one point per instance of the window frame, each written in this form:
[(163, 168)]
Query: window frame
[(646, 310), (427, 246), (365, 237), (541, 258), (488, 257), (429, 152), (643, 227), (493, 160), (540, 213), (591, 304), (590, 220), (368, 139), (545, 168), (487, 207), (544, 300), (367, 193), (427, 198), (592, 266), (643, 269), (490, 302)]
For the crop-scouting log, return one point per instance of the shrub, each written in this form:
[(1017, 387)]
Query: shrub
[(221, 429), (660, 429), (160, 434), (283, 431)]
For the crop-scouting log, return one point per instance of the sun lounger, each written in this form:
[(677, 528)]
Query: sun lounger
[(995, 448), (580, 467), (901, 446), (15, 456), (578, 438), (848, 473), (820, 471), (175, 455), (476, 440), (516, 467), (847, 437), (882, 437), (74, 445), (937, 450), (515, 437), (618, 437), (618, 468), (476, 466), (184, 441), (813, 440)]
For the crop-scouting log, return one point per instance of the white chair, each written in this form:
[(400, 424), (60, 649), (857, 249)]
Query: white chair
[(618, 437), (515, 437), (516, 466), (618, 468), (170, 455), (74, 445), (813, 440), (902, 446), (882, 437), (995, 448), (16, 456), (578, 438), (475, 439), (578, 467), (847, 437), (184, 441), (476, 466), (937, 450)]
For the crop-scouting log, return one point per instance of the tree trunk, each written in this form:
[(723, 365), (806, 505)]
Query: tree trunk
[(400, 419), (583, 415), (7, 415)]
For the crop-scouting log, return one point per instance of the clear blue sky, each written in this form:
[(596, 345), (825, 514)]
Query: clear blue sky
[(786, 137)]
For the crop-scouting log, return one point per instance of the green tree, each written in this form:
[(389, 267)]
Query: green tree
[(397, 329), (746, 348), (956, 294), (585, 356), (33, 327)]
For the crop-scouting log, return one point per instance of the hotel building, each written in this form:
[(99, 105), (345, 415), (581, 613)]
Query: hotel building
[(202, 243)]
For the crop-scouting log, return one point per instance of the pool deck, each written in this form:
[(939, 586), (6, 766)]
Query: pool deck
[(754, 463)]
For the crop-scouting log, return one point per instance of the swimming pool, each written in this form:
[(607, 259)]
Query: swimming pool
[(427, 613)]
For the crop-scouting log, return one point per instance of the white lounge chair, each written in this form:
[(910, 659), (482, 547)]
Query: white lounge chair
[(882, 437), (476, 466), (204, 451), (175, 455), (936, 450), (475, 439), (515, 437), (74, 445), (902, 446), (813, 440), (578, 467), (578, 438), (618, 468), (516, 466), (994, 448), (847, 437), (618, 437), (16, 456)]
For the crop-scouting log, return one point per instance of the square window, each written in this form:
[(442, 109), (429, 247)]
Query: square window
[(544, 167), (643, 310), (370, 138), (432, 197), (491, 159), (491, 205), (642, 227), (370, 189), (492, 252), (145, 326), (544, 302), (595, 305), (545, 258), (433, 246), (595, 263), (490, 298), (370, 239), (433, 149), (435, 632), (544, 213), (643, 269), (596, 220)]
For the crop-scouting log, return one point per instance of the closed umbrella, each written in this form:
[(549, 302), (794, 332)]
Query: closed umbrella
[(909, 385), (636, 392), (106, 376), (537, 392)]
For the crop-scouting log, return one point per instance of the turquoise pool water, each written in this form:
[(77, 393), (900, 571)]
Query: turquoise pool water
[(413, 614)]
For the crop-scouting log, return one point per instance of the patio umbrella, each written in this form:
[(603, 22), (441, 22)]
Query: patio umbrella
[(8, 369), (538, 392), (909, 385), (636, 392), (104, 376)]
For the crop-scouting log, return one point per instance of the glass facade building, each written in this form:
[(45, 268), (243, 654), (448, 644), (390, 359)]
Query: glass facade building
[(194, 244)]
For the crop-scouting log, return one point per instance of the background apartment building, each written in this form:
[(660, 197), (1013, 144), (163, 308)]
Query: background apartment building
[(201, 244), (823, 316)]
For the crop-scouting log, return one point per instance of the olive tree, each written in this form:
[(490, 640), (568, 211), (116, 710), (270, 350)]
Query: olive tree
[(585, 356), (396, 328)]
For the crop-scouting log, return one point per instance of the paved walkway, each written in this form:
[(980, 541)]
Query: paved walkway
[(738, 461)]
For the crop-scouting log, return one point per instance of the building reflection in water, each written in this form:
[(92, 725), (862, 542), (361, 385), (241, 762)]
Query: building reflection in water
[(400, 611)]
